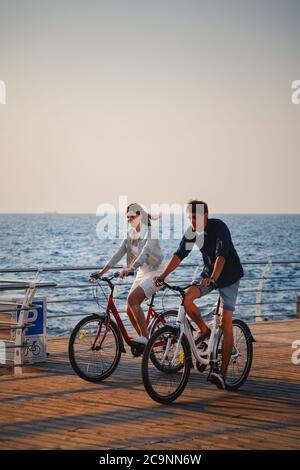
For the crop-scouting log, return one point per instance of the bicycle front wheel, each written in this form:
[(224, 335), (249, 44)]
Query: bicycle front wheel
[(95, 348), (163, 380), (241, 356)]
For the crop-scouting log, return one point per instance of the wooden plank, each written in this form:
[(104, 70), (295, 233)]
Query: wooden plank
[(49, 407)]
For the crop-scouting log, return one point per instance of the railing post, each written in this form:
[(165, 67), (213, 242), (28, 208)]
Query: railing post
[(298, 307), (258, 315), (19, 340)]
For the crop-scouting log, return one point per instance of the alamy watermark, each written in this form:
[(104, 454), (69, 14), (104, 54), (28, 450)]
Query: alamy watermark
[(167, 221), (295, 97), (2, 92), (296, 354)]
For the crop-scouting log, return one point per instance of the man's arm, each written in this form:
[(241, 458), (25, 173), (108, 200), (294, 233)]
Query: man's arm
[(182, 252), (218, 267), (222, 249)]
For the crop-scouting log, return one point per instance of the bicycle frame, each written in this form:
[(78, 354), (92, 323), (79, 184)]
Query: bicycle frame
[(206, 357), (111, 308)]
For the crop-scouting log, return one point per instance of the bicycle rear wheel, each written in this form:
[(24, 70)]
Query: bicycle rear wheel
[(166, 318), (163, 380), (95, 348), (241, 357)]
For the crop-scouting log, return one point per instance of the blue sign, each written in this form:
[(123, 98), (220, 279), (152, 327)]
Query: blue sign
[(36, 317)]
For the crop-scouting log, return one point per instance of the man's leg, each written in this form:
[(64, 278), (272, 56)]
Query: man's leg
[(226, 325), (192, 310), (228, 301)]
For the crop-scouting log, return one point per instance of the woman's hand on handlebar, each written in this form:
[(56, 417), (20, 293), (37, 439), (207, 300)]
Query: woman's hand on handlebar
[(99, 274), (124, 273)]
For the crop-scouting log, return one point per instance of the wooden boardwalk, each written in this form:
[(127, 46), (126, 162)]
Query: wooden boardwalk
[(51, 408)]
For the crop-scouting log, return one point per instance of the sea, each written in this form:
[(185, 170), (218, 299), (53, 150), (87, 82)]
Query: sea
[(267, 244)]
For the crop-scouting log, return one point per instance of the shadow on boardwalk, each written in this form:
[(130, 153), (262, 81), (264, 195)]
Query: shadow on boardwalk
[(51, 408)]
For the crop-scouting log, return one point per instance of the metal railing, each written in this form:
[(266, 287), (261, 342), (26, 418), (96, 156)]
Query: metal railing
[(288, 286), (84, 287)]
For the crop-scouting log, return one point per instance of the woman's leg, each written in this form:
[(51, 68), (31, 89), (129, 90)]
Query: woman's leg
[(132, 319), (135, 299)]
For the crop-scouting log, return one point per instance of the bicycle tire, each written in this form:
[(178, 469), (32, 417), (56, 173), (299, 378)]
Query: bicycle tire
[(165, 398), (231, 384), (118, 349)]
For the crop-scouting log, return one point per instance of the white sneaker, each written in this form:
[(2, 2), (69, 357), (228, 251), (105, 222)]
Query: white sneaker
[(140, 340)]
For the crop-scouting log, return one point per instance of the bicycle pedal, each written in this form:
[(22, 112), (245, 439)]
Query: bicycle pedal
[(201, 367), (208, 375)]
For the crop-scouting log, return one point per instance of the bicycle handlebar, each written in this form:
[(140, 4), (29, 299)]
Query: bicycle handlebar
[(110, 278), (176, 288)]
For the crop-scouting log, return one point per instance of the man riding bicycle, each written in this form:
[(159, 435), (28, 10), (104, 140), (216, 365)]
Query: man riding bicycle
[(222, 271)]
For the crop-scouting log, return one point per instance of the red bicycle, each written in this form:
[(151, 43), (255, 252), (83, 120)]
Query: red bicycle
[(97, 341)]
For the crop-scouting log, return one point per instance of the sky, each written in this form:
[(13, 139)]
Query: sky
[(158, 101)]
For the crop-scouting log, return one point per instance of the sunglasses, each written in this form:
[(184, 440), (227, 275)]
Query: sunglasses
[(131, 217)]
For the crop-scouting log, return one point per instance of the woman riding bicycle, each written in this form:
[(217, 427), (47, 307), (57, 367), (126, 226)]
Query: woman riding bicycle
[(144, 255)]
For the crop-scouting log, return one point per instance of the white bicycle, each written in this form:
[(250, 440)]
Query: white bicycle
[(167, 358)]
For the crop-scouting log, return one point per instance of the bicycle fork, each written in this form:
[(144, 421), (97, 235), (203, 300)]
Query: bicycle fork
[(180, 326)]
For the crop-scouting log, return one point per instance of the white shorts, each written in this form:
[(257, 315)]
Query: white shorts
[(144, 279)]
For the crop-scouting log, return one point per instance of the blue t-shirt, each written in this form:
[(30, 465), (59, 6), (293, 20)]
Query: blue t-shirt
[(215, 241)]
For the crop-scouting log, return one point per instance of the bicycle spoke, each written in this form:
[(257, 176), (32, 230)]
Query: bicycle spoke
[(239, 358), (93, 349)]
